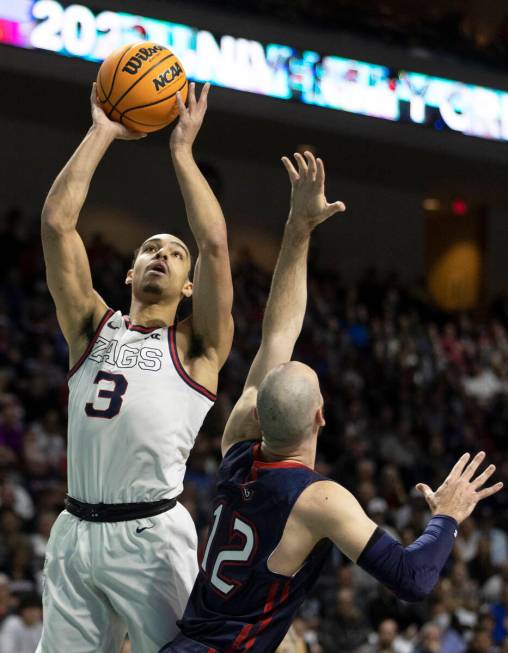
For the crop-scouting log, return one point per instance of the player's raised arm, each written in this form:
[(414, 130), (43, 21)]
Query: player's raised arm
[(329, 510), (285, 309), (212, 296), (67, 267)]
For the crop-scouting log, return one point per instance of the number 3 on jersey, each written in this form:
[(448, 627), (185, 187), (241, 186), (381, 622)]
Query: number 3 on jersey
[(233, 556), (113, 392)]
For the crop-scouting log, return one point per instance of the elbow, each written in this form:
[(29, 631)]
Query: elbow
[(215, 244), (50, 226), (418, 589), (50, 219), (52, 222)]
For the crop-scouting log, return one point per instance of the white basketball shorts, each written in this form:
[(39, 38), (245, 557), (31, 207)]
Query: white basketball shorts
[(103, 580)]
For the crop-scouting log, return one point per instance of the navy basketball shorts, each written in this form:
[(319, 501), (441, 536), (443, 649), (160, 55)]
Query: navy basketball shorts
[(183, 644)]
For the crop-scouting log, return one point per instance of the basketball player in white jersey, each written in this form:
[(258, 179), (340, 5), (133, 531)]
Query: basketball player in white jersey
[(122, 556)]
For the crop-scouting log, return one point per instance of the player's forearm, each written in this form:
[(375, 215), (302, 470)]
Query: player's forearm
[(69, 190), (285, 309), (204, 213), (410, 572)]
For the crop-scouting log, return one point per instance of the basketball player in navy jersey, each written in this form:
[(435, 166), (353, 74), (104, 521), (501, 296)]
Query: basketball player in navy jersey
[(122, 556), (274, 519)]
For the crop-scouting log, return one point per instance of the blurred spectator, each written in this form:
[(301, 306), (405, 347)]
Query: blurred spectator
[(386, 640), (498, 539), (481, 642), (467, 540), (21, 633), (493, 588), (481, 567), (347, 629), (500, 614), (6, 601)]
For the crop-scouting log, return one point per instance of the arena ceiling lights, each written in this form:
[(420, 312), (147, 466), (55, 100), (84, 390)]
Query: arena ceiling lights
[(269, 69)]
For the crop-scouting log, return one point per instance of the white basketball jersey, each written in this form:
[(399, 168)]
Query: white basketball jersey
[(134, 414)]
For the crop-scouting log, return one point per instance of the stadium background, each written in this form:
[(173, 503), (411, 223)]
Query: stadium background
[(408, 384)]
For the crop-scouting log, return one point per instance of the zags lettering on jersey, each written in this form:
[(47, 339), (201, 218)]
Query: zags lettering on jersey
[(147, 358)]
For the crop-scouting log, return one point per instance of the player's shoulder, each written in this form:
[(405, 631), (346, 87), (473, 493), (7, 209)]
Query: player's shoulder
[(241, 450), (319, 501)]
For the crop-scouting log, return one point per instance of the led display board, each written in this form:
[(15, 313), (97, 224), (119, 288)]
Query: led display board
[(270, 69)]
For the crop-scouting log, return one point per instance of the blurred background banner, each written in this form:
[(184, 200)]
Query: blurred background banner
[(274, 70)]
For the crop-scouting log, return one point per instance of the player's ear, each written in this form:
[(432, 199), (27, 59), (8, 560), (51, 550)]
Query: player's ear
[(187, 289), (128, 278), (320, 417)]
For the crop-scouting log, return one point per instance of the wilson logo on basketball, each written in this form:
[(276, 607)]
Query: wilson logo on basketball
[(167, 77), (143, 54)]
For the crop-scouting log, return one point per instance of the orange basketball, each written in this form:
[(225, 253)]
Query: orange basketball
[(137, 86)]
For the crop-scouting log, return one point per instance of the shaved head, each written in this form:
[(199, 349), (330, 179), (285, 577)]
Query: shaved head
[(287, 403)]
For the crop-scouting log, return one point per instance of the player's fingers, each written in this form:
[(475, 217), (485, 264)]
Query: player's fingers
[(425, 490), (93, 95), (483, 477), (203, 98), (181, 104), (458, 468), (293, 175), (311, 164), (470, 470), (302, 165), (192, 96), (336, 207), (320, 172), (489, 491)]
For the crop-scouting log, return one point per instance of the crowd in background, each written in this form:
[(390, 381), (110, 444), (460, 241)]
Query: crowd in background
[(407, 390), (466, 28)]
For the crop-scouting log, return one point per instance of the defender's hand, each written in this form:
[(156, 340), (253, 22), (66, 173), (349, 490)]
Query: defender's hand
[(112, 128), (191, 118), (308, 202), (459, 494)]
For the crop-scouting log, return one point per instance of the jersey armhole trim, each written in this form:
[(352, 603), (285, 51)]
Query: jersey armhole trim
[(90, 345), (180, 369)]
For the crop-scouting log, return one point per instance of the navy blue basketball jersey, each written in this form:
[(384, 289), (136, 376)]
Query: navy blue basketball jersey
[(237, 603)]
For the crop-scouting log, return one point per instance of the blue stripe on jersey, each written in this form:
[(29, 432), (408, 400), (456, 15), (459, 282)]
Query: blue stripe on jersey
[(237, 603)]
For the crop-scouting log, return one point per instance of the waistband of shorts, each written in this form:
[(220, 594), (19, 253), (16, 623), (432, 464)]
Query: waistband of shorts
[(114, 512)]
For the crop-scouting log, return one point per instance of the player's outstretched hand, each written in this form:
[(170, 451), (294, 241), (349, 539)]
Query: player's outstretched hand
[(115, 129), (460, 492), (308, 202), (191, 118)]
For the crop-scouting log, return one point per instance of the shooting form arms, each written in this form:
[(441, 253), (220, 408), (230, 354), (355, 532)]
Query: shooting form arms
[(67, 267), (212, 301)]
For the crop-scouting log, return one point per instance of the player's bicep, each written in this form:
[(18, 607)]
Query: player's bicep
[(272, 352), (242, 423), (69, 279), (336, 514)]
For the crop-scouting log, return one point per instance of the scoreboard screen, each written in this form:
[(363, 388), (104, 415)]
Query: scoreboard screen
[(274, 70)]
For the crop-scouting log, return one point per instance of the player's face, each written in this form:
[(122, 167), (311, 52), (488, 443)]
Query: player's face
[(161, 270)]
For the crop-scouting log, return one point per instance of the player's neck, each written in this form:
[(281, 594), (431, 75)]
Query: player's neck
[(150, 315), (305, 453)]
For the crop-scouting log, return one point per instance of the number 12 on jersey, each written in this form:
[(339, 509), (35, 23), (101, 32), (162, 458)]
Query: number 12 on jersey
[(232, 555)]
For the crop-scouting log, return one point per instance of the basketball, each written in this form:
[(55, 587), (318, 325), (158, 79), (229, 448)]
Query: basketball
[(137, 86)]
